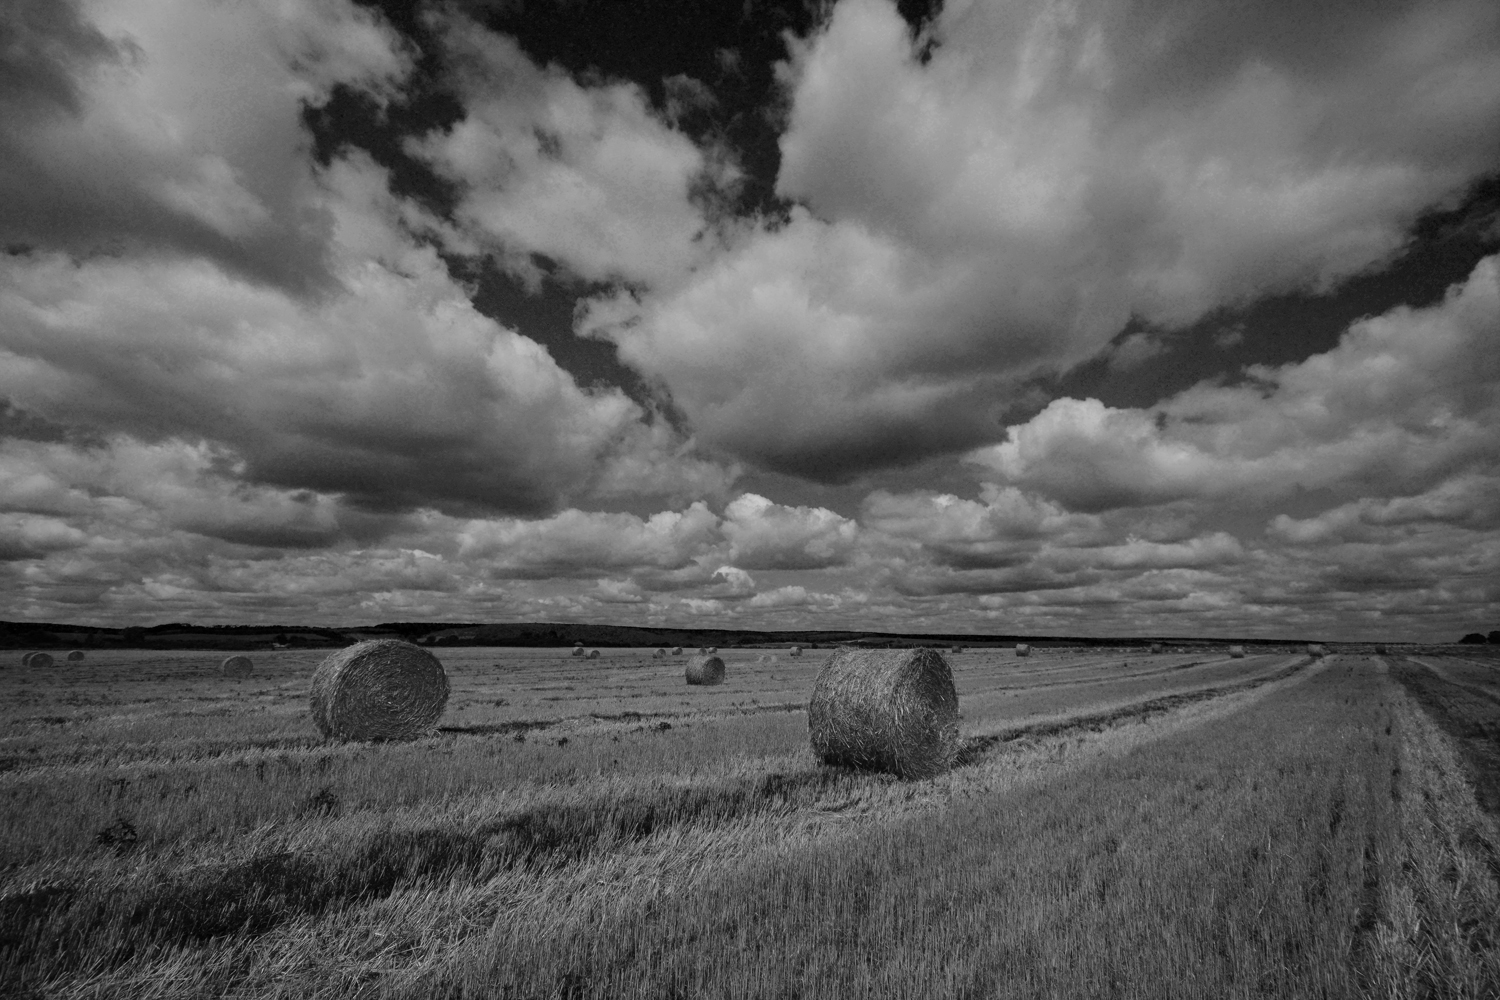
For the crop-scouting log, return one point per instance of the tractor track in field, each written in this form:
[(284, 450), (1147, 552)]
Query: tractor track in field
[(1098, 721), (1468, 713)]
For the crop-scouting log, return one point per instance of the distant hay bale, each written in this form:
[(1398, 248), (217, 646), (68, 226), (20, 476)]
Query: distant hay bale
[(1237, 652), (380, 689), (958, 649), (659, 653), (41, 660), (891, 710), (713, 649), (237, 666), (706, 670), (26, 658), (765, 658), (676, 650), (1022, 649), (75, 656), (593, 654), (794, 651), (1316, 649), (577, 650), (1156, 647), (702, 650)]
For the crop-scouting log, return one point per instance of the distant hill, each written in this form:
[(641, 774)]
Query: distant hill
[(183, 635)]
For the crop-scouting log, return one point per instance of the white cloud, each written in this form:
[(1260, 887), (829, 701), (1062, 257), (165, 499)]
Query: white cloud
[(176, 128), (767, 535), (587, 176), (1003, 208), (576, 542), (1404, 400)]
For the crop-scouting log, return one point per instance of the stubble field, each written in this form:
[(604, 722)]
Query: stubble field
[(1120, 825)]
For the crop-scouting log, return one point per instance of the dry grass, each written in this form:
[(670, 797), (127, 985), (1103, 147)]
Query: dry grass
[(590, 829)]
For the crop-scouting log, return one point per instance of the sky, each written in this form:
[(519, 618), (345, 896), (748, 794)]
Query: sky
[(1035, 317)]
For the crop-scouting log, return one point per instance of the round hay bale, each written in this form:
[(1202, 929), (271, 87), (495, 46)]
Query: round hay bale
[(794, 651), (1156, 647), (1237, 652), (1022, 649), (75, 656), (42, 660), (380, 689), (593, 654), (676, 650), (765, 658), (577, 650), (1316, 649), (26, 658), (702, 650), (659, 653), (237, 666), (706, 670), (891, 710), (713, 649)]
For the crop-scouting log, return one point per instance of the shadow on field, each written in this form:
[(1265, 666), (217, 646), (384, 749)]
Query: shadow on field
[(68, 925)]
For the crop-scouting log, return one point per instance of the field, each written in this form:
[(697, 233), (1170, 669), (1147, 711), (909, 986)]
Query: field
[(1120, 825)]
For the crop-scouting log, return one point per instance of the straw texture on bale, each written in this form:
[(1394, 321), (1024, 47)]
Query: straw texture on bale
[(891, 710), (593, 654), (237, 666), (380, 689), (43, 660), (1237, 652), (1316, 649), (75, 656), (1022, 649), (707, 670)]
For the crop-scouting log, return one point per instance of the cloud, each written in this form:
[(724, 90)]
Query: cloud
[(1470, 501), (575, 542), (586, 177), (999, 210), (767, 535), (1405, 400), (176, 129)]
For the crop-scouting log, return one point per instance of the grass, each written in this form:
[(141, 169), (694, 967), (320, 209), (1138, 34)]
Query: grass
[(1185, 825)]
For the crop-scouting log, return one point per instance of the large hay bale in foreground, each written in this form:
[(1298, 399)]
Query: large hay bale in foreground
[(380, 689), (1237, 652), (707, 670), (238, 665), (1022, 649), (593, 654), (42, 660), (75, 656), (1316, 649), (889, 710)]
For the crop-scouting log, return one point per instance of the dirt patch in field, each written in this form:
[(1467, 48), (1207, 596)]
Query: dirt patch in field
[(1469, 714)]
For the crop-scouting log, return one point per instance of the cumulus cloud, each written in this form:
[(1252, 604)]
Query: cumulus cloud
[(175, 129), (575, 542), (767, 535), (586, 177), (1001, 208), (1405, 400), (379, 381)]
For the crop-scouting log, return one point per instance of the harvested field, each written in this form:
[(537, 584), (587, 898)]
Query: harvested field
[(1117, 825)]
